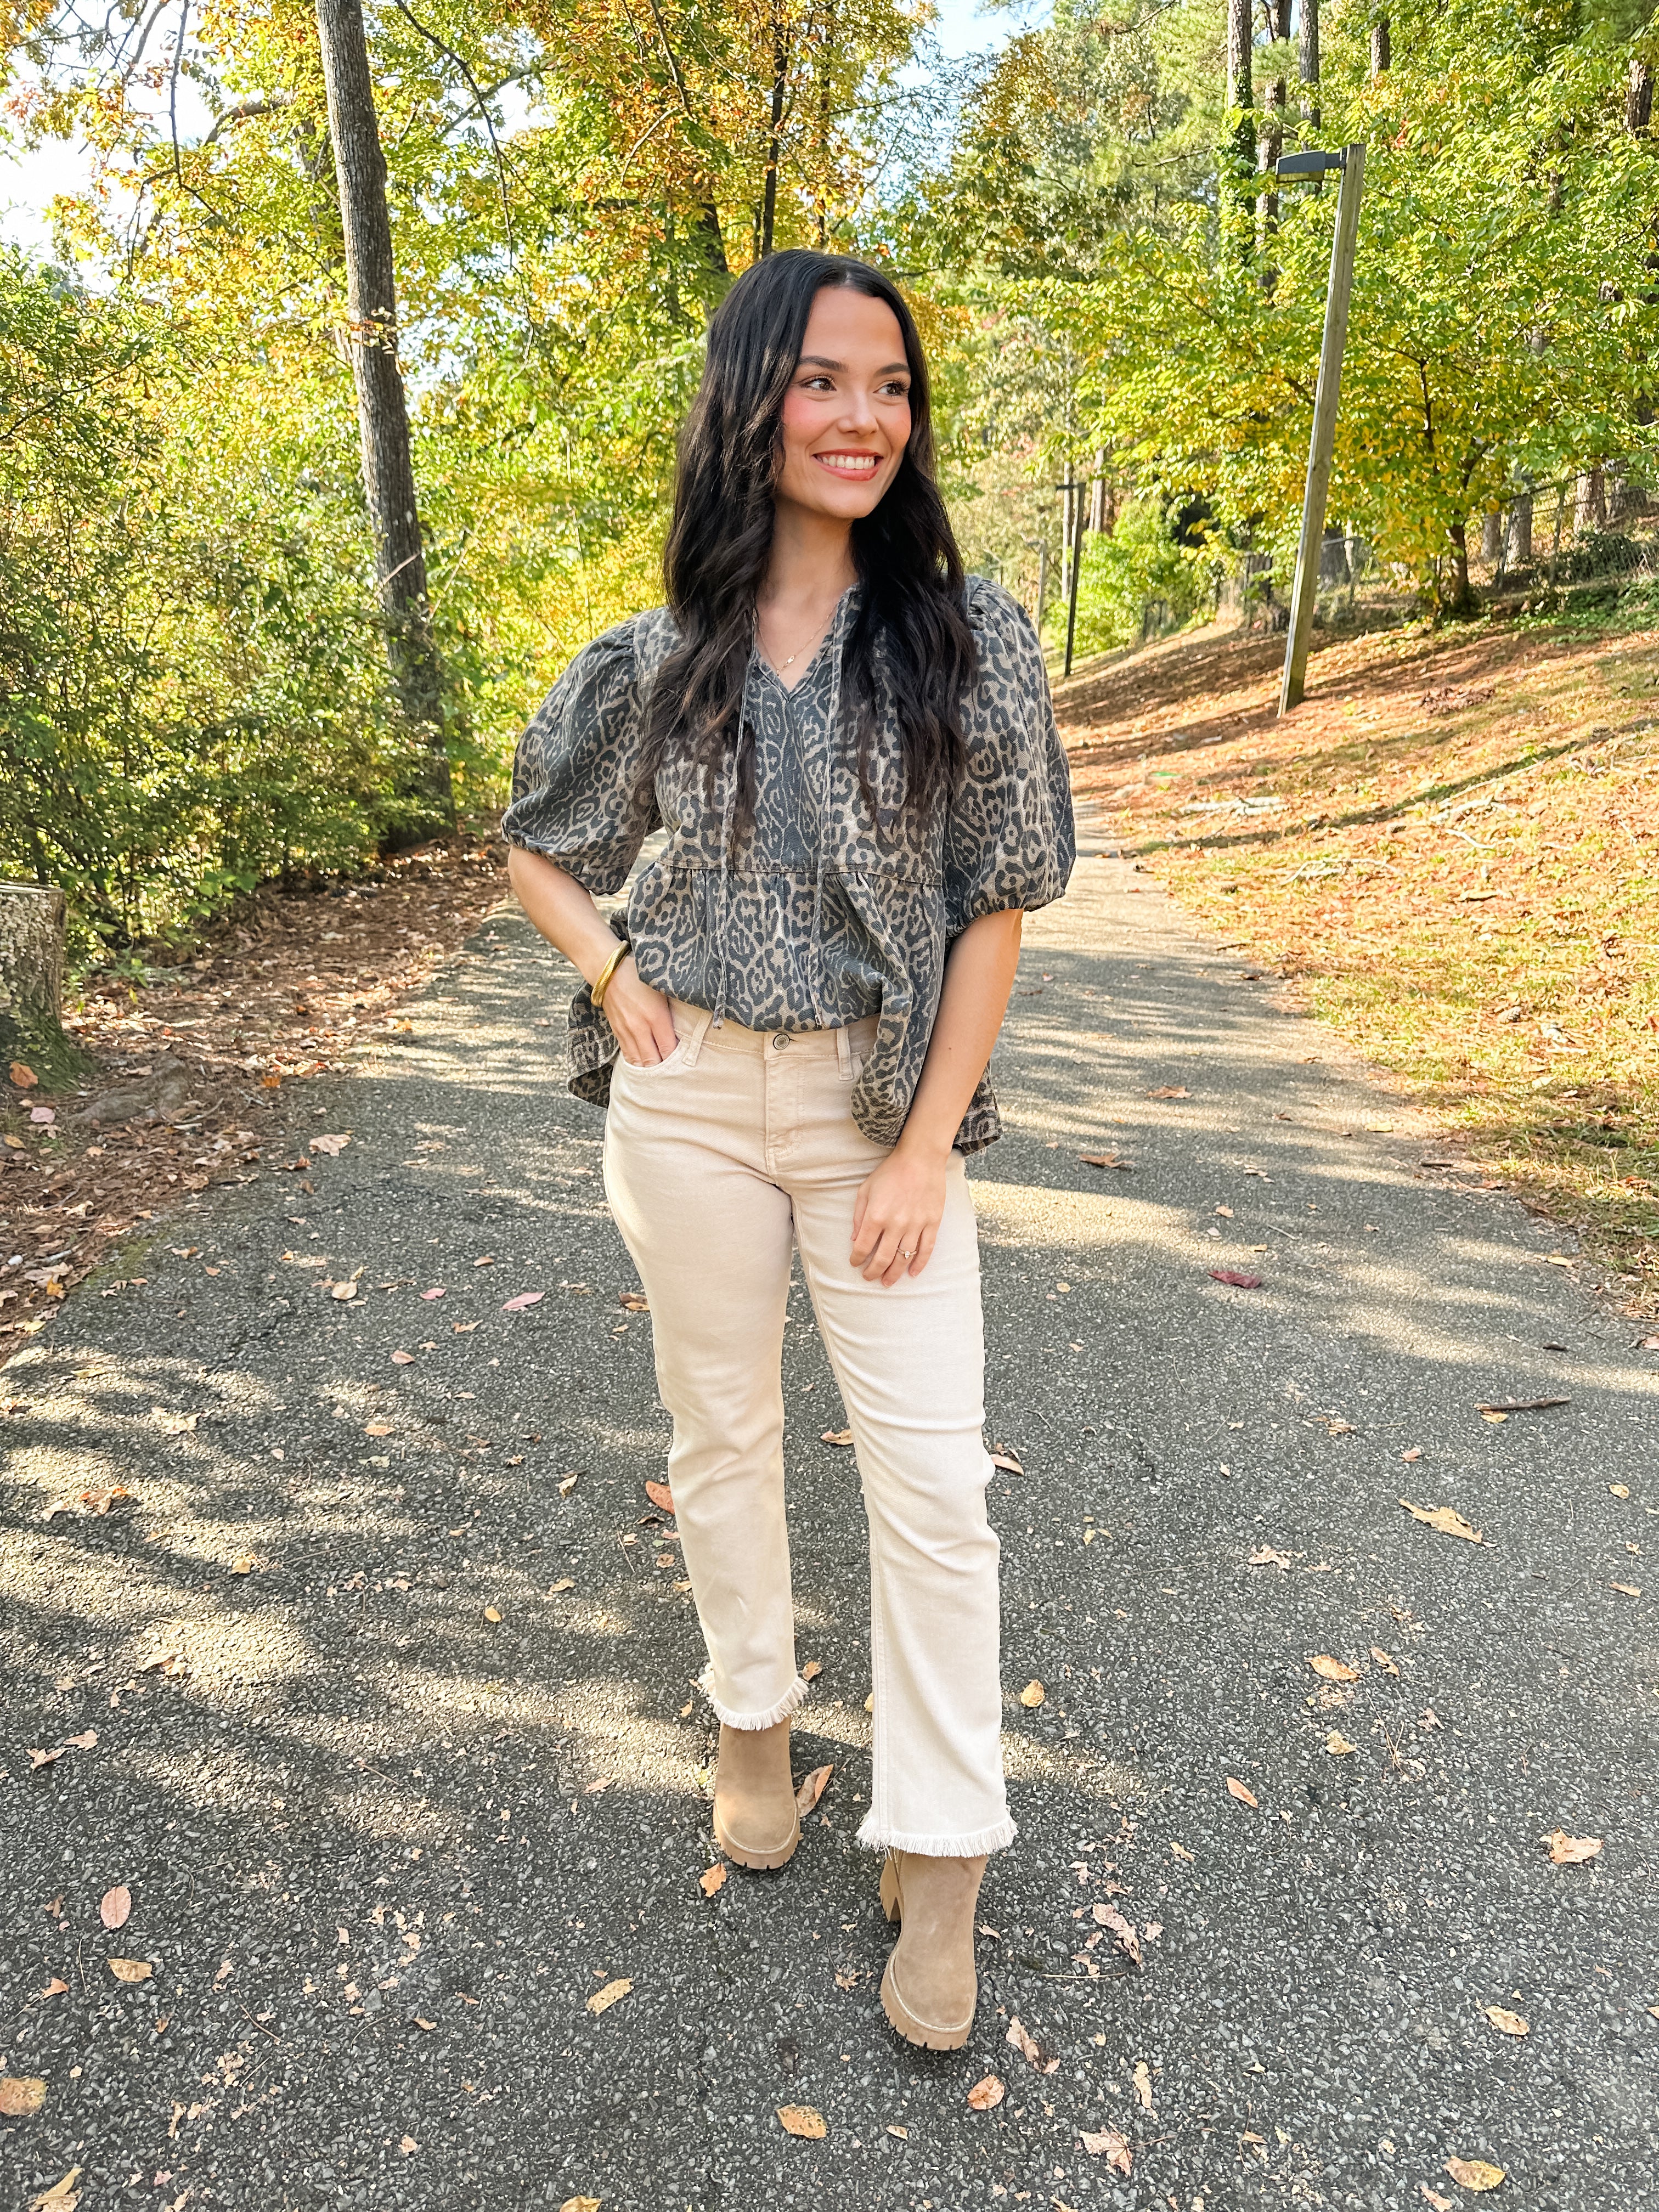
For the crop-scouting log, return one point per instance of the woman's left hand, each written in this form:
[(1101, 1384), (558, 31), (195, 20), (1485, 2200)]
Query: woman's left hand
[(897, 1213)]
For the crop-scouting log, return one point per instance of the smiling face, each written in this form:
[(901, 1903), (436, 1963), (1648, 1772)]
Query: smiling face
[(846, 419)]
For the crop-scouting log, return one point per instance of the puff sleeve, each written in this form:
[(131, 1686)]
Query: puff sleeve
[(1009, 841), (576, 794)]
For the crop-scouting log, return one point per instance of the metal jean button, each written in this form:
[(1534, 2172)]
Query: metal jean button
[(779, 1041)]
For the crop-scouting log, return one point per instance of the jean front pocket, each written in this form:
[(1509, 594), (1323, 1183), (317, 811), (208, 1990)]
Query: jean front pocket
[(649, 1071)]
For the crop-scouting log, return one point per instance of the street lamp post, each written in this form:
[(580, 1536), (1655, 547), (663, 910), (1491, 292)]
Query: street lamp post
[(1322, 444)]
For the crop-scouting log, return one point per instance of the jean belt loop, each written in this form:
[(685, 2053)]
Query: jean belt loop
[(846, 1065), (699, 1031)]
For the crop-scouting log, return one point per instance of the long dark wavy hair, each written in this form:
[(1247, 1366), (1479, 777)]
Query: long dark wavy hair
[(910, 642)]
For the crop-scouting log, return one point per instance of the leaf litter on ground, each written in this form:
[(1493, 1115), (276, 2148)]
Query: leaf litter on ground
[(1039, 2055), (1445, 1519)]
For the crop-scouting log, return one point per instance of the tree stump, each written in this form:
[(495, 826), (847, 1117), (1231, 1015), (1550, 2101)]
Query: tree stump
[(32, 974)]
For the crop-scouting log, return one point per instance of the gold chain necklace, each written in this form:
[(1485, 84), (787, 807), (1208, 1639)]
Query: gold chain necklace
[(814, 639)]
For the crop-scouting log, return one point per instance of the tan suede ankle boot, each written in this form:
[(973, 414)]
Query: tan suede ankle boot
[(755, 1819), (930, 1988)]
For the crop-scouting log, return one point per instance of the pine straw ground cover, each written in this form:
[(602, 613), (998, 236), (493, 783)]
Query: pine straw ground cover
[(195, 1067), (1452, 848)]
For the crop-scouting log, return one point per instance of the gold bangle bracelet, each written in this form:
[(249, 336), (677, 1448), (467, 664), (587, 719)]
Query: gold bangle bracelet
[(601, 983)]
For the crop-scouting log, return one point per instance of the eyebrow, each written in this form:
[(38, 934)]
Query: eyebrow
[(821, 361)]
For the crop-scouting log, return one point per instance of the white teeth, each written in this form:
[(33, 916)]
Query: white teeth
[(849, 464)]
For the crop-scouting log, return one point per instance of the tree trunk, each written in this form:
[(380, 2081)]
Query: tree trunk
[(1491, 536), (1520, 552), (1238, 145), (1382, 47), (1638, 100), (779, 82), (1271, 143), (1460, 600), (1589, 508), (1308, 64), (382, 413), (31, 972)]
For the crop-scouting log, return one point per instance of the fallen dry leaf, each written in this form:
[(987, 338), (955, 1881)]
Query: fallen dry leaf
[(1242, 1792), (612, 1993), (20, 2095), (1032, 1695), (1338, 1745), (1105, 1160), (54, 1988), (811, 1670), (1040, 2055), (434, 1293), (1170, 1090), (1333, 1670), (1181, 1852), (1626, 1589), (581, 2204), (1507, 2023), (1415, 1453), (1143, 2081), (660, 1495), (344, 1291), (987, 2094), (1110, 2145), (62, 2196), (1440, 2203), (634, 1302), (408, 2144), (802, 2120), (23, 1076), (812, 1788), (84, 1741), (1445, 1518), (131, 1970), (554, 1589), (525, 1298), (1123, 1934), (115, 1907), (332, 1145), (1389, 1666), (1475, 2173), (711, 1879), (402, 1359), (1570, 1850), (1009, 1462), (38, 1759), (1265, 1556), (377, 1428), (492, 1613), (841, 1438), (244, 1565), (1240, 1282)]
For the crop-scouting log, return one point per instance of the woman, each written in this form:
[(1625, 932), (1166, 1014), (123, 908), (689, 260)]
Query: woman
[(852, 750)]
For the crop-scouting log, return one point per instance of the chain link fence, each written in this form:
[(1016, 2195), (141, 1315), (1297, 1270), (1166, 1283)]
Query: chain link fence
[(1576, 542)]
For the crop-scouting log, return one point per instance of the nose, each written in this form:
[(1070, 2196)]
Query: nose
[(858, 415)]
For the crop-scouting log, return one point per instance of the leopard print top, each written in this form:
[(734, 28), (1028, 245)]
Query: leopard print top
[(822, 914)]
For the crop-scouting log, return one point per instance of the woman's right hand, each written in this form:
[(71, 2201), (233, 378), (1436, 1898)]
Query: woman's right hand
[(641, 1016)]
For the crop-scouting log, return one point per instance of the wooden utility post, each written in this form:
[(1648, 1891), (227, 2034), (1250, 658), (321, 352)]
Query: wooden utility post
[(1323, 443), (382, 413), (1076, 520)]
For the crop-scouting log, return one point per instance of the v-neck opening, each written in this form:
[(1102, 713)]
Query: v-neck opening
[(787, 689)]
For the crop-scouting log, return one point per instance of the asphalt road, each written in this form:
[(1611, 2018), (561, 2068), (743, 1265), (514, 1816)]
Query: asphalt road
[(383, 1847)]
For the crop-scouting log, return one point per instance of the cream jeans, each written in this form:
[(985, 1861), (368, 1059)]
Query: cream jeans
[(716, 1159)]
